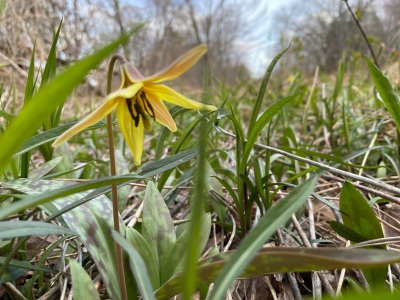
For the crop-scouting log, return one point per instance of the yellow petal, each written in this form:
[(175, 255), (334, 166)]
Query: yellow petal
[(133, 135), (179, 66), (107, 107), (161, 114), (165, 93)]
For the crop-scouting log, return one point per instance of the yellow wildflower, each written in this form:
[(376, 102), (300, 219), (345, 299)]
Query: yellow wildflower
[(140, 97)]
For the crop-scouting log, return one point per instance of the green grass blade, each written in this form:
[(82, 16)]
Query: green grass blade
[(336, 91), (249, 246), (175, 112), (327, 157), (6, 115), (274, 260), (30, 88), (28, 286), (82, 284), (26, 265), (195, 224), (27, 228), (178, 147), (51, 64), (386, 91), (263, 88), (49, 73), (51, 135), (346, 232), (260, 124), (149, 170)]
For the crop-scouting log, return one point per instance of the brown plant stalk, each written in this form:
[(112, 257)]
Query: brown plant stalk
[(113, 173)]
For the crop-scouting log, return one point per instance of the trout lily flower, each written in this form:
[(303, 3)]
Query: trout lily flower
[(140, 98)]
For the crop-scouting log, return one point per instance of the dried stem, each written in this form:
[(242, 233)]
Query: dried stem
[(363, 34), (292, 280), (328, 168), (325, 282), (113, 173)]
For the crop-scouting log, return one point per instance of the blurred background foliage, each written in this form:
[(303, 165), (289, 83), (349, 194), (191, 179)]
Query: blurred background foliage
[(242, 36)]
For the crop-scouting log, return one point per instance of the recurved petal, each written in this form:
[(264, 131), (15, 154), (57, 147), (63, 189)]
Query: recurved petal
[(127, 92), (107, 107), (90, 120), (161, 113), (160, 91), (133, 134), (131, 72), (179, 66)]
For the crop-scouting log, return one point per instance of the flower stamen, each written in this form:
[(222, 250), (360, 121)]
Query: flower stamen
[(147, 106)]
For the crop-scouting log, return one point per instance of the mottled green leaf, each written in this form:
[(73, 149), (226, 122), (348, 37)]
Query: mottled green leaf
[(149, 170), (157, 225), (39, 172), (214, 184), (138, 267), (82, 285), (54, 175), (176, 258), (144, 250), (61, 192), (67, 163), (91, 221), (282, 260)]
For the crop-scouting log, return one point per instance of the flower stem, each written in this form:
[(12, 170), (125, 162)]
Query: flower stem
[(363, 34), (113, 173)]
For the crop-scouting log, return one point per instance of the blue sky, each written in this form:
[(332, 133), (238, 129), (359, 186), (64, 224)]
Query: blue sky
[(261, 46)]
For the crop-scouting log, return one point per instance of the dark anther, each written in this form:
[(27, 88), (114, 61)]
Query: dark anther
[(147, 106), (129, 103), (138, 111)]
